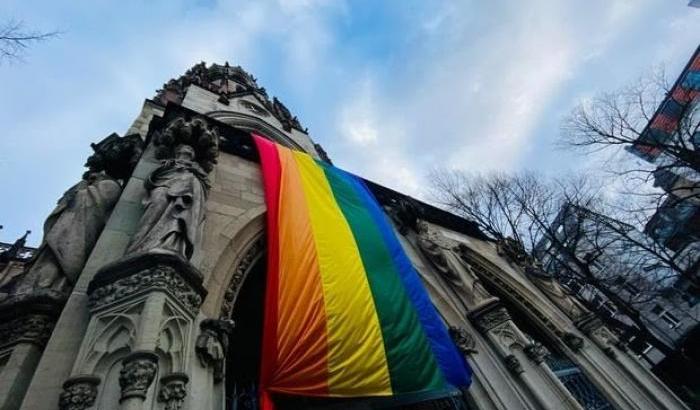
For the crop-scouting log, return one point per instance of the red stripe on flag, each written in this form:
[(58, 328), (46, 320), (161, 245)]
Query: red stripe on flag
[(270, 163)]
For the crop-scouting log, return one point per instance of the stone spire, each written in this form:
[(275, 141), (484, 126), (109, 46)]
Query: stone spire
[(227, 81)]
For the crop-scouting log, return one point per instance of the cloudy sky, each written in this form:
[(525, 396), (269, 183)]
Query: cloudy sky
[(390, 89)]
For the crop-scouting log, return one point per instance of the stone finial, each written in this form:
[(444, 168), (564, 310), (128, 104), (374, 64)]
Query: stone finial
[(14, 250), (137, 374), (79, 393)]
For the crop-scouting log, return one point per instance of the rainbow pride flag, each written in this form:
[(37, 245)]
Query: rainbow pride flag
[(346, 314)]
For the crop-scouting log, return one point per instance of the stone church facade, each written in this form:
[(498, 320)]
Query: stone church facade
[(146, 291)]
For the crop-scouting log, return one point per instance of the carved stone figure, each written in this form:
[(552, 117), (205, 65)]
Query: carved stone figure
[(212, 344), (574, 342), (137, 374), (72, 228), (513, 364), (173, 390), (177, 189), (175, 206), (463, 340), (70, 233), (405, 214)]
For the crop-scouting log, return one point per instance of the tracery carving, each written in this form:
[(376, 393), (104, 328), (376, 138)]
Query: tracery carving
[(79, 393), (173, 390), (160, 276), (137, 374), (251, 255), (463, 340), (177, 189), (212, 345)]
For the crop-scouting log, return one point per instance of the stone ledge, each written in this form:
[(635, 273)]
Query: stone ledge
[(141, 273)]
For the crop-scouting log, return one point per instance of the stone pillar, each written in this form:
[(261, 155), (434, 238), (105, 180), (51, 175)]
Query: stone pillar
[(144, 305), (79, 393), (494, 322), (26, 322)]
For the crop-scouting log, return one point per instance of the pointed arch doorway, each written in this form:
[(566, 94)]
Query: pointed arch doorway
[(244, 304)]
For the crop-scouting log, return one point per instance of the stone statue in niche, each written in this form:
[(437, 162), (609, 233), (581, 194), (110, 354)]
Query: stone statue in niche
[(212, 344), (72, 228), (456, 271), (177, 190)]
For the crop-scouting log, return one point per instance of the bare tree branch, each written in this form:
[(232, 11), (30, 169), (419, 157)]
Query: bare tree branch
[(15, 39)]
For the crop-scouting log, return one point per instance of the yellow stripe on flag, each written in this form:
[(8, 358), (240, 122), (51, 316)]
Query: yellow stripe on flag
[(357, 364)]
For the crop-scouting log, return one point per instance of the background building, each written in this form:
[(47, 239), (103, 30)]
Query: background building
[(100, 319)]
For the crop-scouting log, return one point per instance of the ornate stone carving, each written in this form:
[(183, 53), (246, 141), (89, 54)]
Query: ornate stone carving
[(536, 352), (285, 117), (513, 364), (226, 81), (489, 317), (453, 268), (33, 328), (571, 307), (463, 340), (322, 153), (514, 251), (574, 342), (72, 228), (137, 374), (405, 213), (173, 390), (79, 393), (254, 252), (212, 344), (486, 270), (145, 272), (13, 251), (177, 189)]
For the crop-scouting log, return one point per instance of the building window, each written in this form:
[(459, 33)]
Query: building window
[(669, 318), (672, 321)]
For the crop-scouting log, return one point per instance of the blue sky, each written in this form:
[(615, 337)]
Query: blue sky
[(390, 89)]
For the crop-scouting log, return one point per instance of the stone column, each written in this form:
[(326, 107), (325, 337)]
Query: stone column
[(26, 323), (494, 322)]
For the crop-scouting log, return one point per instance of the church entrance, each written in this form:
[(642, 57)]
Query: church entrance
[(243, 363), (243, 356)]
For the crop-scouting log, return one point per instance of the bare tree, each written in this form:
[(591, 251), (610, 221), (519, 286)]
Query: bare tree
[(15, 39), (652, 118), (564, 226)]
